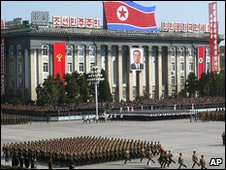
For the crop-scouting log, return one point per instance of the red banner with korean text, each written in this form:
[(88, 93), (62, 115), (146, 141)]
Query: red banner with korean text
[(213, 37), (59, 59), (200, 57)]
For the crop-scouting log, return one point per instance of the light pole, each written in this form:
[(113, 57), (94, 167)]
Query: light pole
[(95, 77)]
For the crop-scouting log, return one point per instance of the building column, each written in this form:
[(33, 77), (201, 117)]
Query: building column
[(169, 82), (33, 73), (149, 69), (40, 66), (119, 74), (87, 63), (98, 57), (76, 59), (186, 64), (159, 82), (130, 80), (178, 68), (109, 66)]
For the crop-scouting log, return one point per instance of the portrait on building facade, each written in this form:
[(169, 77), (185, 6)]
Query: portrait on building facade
[(136, 59)]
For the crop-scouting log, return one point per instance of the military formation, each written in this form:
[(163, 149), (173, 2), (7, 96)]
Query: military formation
[(11, 119), (78, 151), (83, 150), (218, 115)]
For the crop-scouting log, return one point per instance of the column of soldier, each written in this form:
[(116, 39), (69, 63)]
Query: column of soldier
[(9, 119), (87, 150)]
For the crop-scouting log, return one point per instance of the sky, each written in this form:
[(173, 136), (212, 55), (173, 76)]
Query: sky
[(166, 11)]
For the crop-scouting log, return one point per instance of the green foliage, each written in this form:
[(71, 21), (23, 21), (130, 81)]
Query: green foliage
[(104, 88), (210, 84)]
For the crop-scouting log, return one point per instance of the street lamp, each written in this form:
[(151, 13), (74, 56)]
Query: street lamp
[(95, 77)]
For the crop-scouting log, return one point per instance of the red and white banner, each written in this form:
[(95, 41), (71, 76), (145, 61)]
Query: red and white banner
[(59, 59), (2, 66), (56, 21), (213, 41), (200, 57), (65, 21)]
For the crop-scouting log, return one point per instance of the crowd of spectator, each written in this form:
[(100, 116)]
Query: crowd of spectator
[(148, 104)]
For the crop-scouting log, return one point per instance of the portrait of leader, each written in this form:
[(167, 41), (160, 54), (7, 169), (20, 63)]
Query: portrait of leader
[(136, 59)]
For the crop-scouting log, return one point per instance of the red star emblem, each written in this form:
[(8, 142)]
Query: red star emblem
[(122, 13)]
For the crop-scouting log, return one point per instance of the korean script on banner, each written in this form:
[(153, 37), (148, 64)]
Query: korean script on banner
[(73, 22), (56, 21), (196, 28), (96, 22), (190, 27), (178, 27), (184, 27), (202, 28), (89, 22), (81, 22), (65, 21), (213, 34), (164, 26), (171, 27)]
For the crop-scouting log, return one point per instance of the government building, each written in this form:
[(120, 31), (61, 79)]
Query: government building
[(168, 58)]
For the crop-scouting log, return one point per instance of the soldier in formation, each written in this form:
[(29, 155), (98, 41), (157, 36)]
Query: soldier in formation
[(181, 161), (202, 162), (194, 159)]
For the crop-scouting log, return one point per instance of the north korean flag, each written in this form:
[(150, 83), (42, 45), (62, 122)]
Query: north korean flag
[(127, 15)]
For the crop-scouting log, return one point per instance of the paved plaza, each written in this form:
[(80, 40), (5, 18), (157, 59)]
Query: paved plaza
[(175, 135)]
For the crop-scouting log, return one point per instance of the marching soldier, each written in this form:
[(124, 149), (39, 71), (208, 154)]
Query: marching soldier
[(127, 155), (194, 159), (142, 154), (170, 158), (149, 156), (202, 162), (181, 161)]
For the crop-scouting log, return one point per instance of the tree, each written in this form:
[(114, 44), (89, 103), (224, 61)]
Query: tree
[(104, 88), (60, 87), (72, 88), (191, 84)]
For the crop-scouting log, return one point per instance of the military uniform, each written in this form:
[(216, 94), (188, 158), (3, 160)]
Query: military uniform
[(181, 161), (194, 159), (202, 162)]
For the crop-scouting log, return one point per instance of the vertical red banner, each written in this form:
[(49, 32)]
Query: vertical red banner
[(213, 34), (201, 55), (59, 59)]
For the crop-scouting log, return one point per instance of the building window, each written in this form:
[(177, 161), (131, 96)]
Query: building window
[(173, 66), (45, 67), (81, 50), (91, 65), (19, 51), (182, 66), (81, 67), (183, 51), (190, 52), (191, 66), (174, 51), (92, 50), (69, 67), (182, 80), (69, 50), (45, 50), (173, 80)]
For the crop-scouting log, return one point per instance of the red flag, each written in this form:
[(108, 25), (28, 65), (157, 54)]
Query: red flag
[(201, 54), (59, 59), (127, 15)]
